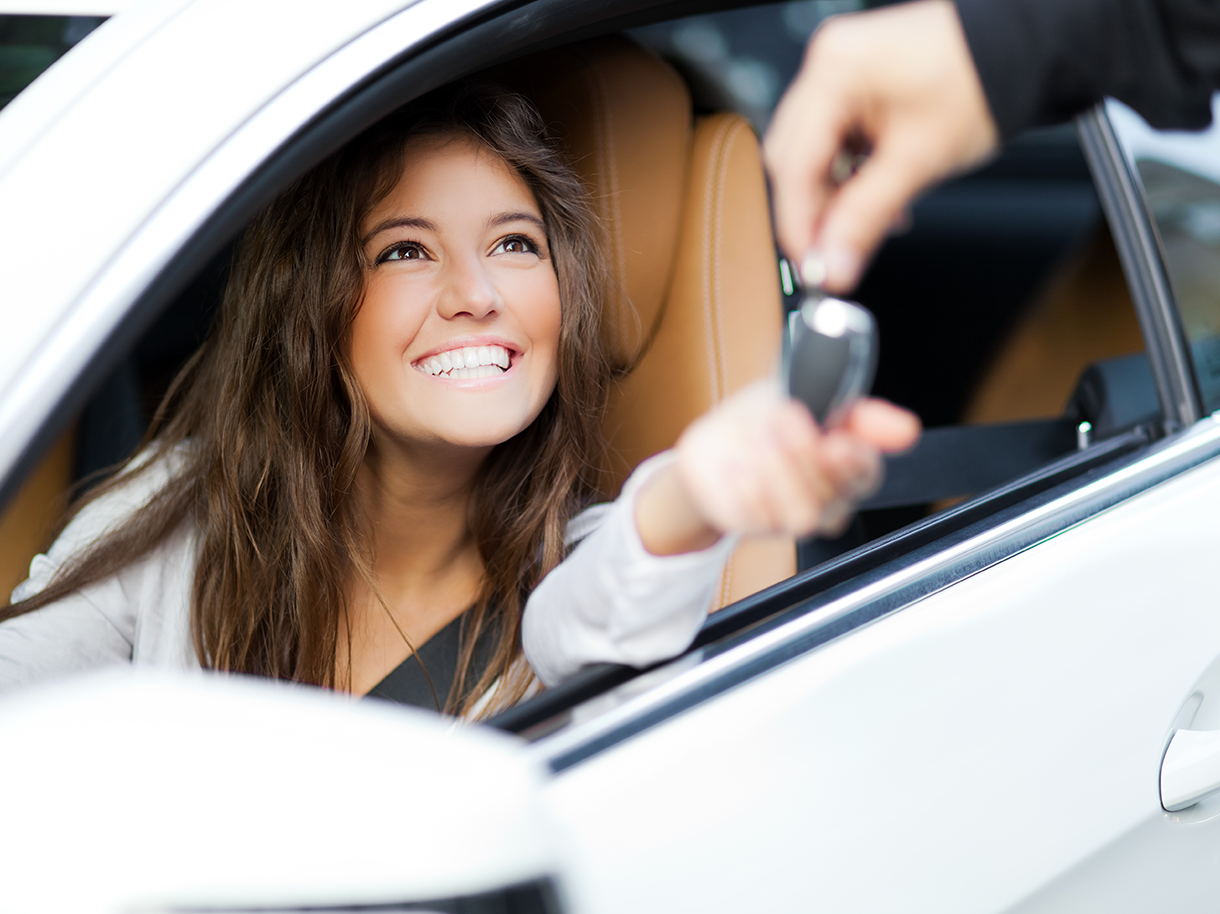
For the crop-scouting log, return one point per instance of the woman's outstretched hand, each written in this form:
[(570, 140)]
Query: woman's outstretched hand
[(759, 465), (897, 82)]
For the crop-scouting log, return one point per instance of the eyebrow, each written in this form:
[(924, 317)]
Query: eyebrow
[(428, 225), (399, 222), (505, 218)]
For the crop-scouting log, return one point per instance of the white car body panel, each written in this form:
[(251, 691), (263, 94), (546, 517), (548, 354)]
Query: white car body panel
[(142, 790), (57, 89), (958, 755)]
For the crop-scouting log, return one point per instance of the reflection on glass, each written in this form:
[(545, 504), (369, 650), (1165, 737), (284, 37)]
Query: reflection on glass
[(30, 44), (741, 60), (1181, 176)]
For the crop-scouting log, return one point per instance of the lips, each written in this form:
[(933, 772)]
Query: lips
[(467, 362)]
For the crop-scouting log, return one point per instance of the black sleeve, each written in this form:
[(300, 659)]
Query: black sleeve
[(1043, 61)]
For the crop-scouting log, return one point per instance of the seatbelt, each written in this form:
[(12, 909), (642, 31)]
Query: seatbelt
[(961, 460)]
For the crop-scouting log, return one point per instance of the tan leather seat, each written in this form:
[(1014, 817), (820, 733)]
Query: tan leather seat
[(1084, 315), (29, 519), (696, 313)]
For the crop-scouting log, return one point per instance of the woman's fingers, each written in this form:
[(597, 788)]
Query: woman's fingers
[(759, 464), (888, 427)]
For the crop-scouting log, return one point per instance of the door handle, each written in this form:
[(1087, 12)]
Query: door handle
[(1191, 768)]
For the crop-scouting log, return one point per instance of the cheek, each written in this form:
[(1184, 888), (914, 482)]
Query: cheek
[(381, 330), (543, 315)]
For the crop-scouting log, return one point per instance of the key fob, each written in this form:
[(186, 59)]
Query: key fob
[(832, 356)]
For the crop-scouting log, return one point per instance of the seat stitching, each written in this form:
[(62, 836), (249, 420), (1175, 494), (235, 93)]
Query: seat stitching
[(608, 178), (734, 131), (711, 287), (721, 182), (712, 203)]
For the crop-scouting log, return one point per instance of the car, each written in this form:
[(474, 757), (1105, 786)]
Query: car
[(997, 692)]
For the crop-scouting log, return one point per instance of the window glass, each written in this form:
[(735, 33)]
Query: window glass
[(999, 301), (741, 60), (1180, 172), (30, 44)]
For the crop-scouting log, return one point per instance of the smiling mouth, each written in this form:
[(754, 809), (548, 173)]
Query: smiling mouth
[(470, 362)]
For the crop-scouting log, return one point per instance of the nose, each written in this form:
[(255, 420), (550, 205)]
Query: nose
[(468, 290)]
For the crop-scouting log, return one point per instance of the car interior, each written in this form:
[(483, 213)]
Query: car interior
[(1005, 319)]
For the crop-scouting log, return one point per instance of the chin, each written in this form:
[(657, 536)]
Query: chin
[(484, 436)]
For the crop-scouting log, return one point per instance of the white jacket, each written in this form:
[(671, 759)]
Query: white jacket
[(611, 600)]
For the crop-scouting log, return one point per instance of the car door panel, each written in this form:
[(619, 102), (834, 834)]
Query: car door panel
[(959, 755)]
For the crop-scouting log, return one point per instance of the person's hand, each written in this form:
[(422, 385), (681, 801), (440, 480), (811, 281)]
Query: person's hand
[(758, 465), (898, 83)]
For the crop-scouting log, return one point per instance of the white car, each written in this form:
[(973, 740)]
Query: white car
[(1007, 703)]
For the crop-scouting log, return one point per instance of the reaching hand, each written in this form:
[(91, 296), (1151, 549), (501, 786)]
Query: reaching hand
[(898, 82), (758, 464)]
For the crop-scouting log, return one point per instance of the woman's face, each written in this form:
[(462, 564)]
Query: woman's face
[(455, 342)]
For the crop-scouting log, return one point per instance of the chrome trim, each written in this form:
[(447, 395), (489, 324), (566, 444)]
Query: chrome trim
[(1139, 250), (89, 321), (670, 689)]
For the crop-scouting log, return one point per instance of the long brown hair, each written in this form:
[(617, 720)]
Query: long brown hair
[(278, 427)]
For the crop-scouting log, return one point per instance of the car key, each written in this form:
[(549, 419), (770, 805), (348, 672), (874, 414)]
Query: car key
[(832, 356)]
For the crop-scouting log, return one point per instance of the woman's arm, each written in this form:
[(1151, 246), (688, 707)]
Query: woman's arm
[(103, 625), (66, 637), (612, 600), (637, 589)]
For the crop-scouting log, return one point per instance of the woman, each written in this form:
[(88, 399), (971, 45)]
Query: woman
[(383, 443)]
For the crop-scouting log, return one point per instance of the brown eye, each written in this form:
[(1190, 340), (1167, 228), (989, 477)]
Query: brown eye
[(516, 244), (407, 250)]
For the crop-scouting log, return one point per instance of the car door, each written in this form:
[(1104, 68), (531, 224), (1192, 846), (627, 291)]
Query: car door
[(976, 725)]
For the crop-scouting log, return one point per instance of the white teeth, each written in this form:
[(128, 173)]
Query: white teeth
[(470, 362)]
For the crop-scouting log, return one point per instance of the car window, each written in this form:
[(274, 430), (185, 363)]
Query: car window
[(994, 304), (30, 44), (1180, 173)]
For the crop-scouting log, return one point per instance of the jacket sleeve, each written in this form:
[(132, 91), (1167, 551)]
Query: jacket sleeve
[(613, 601), (94, 627), (1044, 61), (72, 635)]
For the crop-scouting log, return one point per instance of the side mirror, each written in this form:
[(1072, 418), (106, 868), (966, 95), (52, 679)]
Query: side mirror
[(133, 790)]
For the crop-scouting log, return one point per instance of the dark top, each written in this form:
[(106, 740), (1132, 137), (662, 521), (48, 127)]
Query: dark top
[(1044, 61), (425, 678)]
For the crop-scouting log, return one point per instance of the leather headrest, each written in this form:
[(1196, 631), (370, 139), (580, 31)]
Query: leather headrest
[(625, 117)]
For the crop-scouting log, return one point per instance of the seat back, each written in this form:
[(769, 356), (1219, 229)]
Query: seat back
[(696, 310), (32, 514)]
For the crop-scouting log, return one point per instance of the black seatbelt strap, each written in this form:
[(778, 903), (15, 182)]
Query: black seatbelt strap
[(967, 459)]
